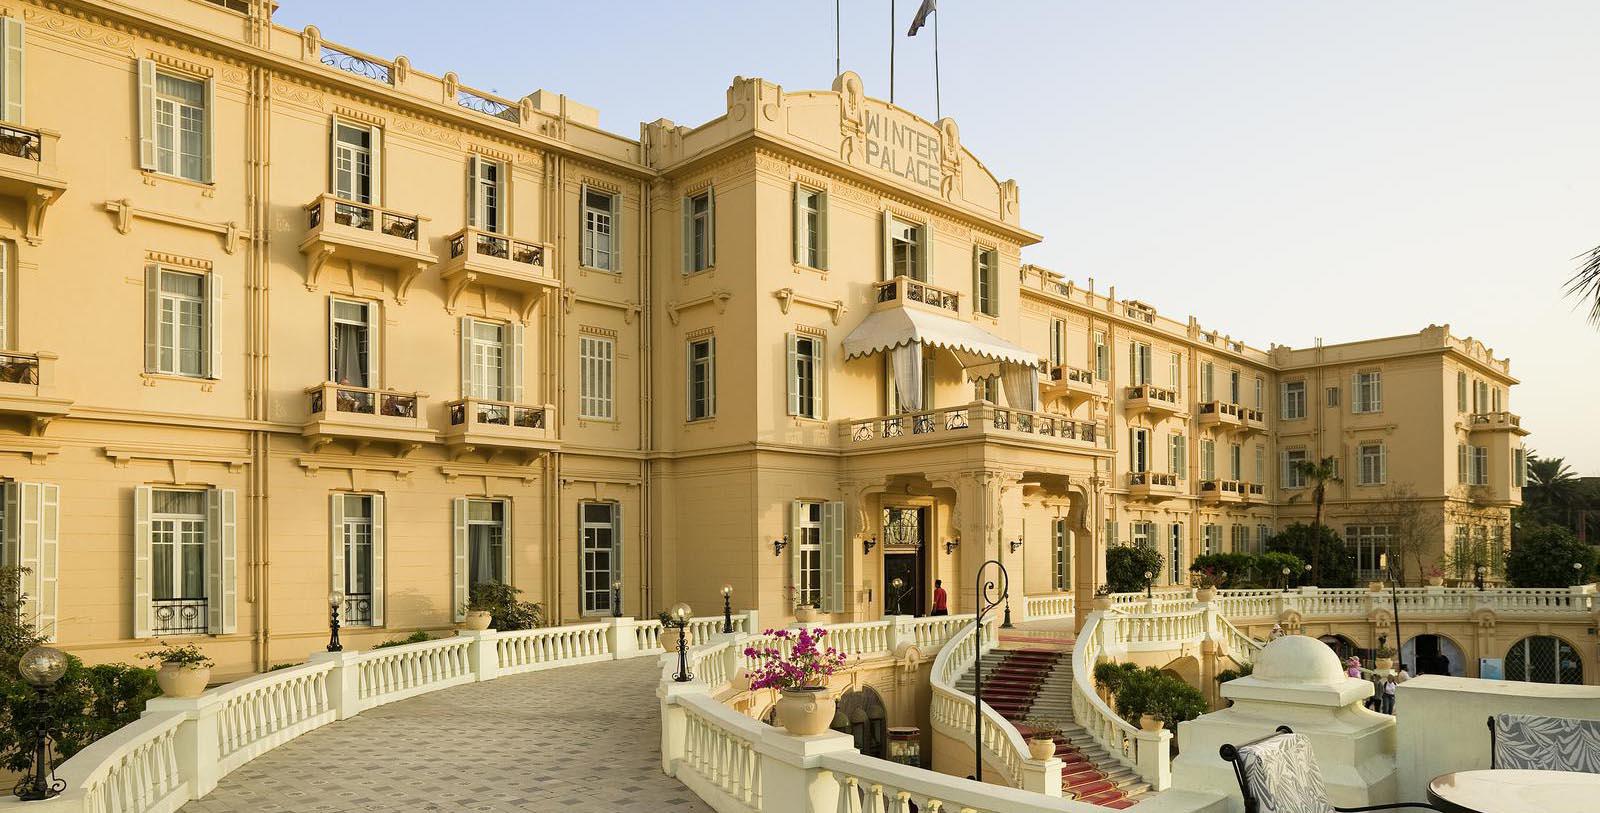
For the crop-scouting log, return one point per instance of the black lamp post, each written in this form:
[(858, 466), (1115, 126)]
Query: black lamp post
[(1477, 576), (1286, 580), (679, 616), (1307, 576), (335, 603), (1149, 585), (898, 585), (990, 594), (41, 667), (727, 608), (1394, 598), (1577, 571), (616, 599)]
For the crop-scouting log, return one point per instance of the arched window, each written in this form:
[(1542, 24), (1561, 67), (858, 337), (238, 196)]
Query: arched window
[(1544, 659), (861, 714)]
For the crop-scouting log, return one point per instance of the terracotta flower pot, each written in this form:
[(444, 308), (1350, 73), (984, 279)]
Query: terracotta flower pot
[(1381, 664), (1205, 594), (805, 710), (1435, 581), (477, 620), (178, 680), (1041, 749), (1149, 723), (805, 614)]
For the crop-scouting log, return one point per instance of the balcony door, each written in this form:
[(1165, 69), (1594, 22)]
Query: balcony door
[(905, 535), (350, 342)]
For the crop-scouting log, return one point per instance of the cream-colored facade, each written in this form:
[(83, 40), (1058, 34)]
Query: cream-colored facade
[(288, 317)]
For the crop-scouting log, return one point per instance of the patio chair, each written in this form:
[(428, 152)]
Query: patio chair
[(1532, 742), (1279, 774)]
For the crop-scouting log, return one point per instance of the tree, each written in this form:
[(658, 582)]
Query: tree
[(1319, 474), (1126, 566), (1331, 562), (1415, 529), (1585, 284), (1271, 566), (1544, 556), (1552, 488)]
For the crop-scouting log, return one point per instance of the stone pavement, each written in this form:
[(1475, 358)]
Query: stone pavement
[(577, 738)]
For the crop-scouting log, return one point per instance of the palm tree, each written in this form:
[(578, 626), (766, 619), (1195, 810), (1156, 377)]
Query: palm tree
[(1552, 484), (1585, 284), (1319, 474)]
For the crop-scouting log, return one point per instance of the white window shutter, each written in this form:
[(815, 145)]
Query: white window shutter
[(152, 318), (508, 528), (833, 558), (375, 166), (515, 360), (333, 333), (617, 252), (822, 230), (887, 272), (794, 374), (377, 560), (147, 113), (142, 499), (10, 533), (1359, 401), (799, 226), (617, 544), (820, 386), (711, 375), (1383, 463), (222, 583), (11, 67), (38, 552), (466, 357), (711, 226), (585, 240), (472, 191), (688, 234), (977, 282), (796, 579), (207, 159), (336, 545), (213, 317), (458, 517), (333, 155), (924, 249)]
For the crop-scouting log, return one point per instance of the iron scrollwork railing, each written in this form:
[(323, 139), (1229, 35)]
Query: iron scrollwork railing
[(488, 106), (178, 616), (991, 592), (20, 143), (360, 66)]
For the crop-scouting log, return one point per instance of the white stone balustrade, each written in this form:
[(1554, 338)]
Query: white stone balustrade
[(1147, 752), (1453, 602), (1047, 607)]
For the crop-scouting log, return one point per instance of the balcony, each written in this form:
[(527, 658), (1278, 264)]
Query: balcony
[(339, 229), (975, 422), (1150, 399), (499, 261), (1152, 485), (27, 388), (1252, 493), (364, 416), (1498, 422), (500, 426), (1255, 421), (1071, 384), (28, 172), (1223, 491), (1221, 414), (905, 290)]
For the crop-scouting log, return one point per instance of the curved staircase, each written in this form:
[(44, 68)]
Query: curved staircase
[(1037, 683)]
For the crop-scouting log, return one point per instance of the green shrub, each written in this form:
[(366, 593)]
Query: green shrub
[(414, 638), (1543, 557), (275, 667), (1110, 675), (506, 611), (1243, 670), (1333, 565), (1150, 691), (1271, 565), (1239, 567), (1126, 566)]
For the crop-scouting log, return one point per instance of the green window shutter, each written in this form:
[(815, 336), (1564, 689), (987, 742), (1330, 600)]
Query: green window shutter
[(472, 192), (711, 375), (147, 113), (796, 579), (142, 498), (887, 271), (466, 357), (616, 233), (221, 561), (336, 546), (515, 358), (799, 221), (375, 166), (794, 373), (377, 559), (711, 226), (213, 325), (210, 123), (11, 69), (152, 318), (509, 528), (333, 155), (617, 546), (822, 230), (458, 517), (833, 559)]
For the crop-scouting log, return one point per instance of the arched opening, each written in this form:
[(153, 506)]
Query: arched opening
[(1341, 646), (1543, 659), (1433, 655), (861, 714)]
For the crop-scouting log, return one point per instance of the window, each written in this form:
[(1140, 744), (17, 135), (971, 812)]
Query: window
[(595, 364), (174, 123), (1367, 392), (1102, 356), (1139, 362), (1261, 393), (1480, 465), (1263, 533), (808, 550), (1494, 399), (1211, 538), (601, 214), (1480, 395), (1261, 464), (1175, 372), (905, 249), (179, 336), (1139, 448), (1544, 659), (699, 232), (1175, 553), (1461, 391), (1235, 395), (1058, 342), (1293, 477), (1208, 459), (11, 69), (1333, 397), (30, 514), (1235, 462), (1372, 464), (810, 227), (986, 281), (1463, 463), (600, 529), (985, 389), (185, 561), (486, 195), (1111, 532), (1061, 555), (357, 522), (1369, 544), (805, 376), (1142, 534), (1207, 373), (351, 341), (703, 379), (481, 531), (1519, 468), (487, 355), (1178, 456), (1294, 400), (354, 158), (1240, 538), (816, 536)]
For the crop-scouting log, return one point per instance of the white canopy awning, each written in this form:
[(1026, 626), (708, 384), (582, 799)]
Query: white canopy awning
[(892, 327)]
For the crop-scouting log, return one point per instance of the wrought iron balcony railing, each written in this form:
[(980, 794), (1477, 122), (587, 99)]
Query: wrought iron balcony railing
[(906, 289)]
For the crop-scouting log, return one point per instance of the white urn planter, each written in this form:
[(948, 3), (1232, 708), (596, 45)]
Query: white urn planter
[(181, 680), (805, 710), (477, 620), (1102, 603), (1383, 664), (1204, 595), (1149, 723), (1041, 749), (805, 614)]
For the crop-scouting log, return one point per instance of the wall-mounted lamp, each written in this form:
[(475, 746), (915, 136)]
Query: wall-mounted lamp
[(867, 545), (778, 545), (950, 546), (1016, 544)]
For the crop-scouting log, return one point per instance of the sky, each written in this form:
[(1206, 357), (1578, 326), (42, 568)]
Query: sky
[(1283, 170)]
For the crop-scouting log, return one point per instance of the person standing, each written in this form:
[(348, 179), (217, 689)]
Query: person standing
[(941, 599), (1388, 695)]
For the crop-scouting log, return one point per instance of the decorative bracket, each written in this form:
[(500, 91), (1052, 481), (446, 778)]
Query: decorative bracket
[(787, 297), (718, 297), (630, 310), (458, 286), (33, 230)]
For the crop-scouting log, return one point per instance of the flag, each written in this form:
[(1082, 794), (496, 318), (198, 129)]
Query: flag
[(922, 17)]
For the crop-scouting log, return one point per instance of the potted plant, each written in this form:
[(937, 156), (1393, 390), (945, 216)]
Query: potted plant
[(670, 633), (1102, 597), (1435, 576), (1041, 738), (1383, 657), (185, 670), (801, 677), (480, 610), (1205, 582)]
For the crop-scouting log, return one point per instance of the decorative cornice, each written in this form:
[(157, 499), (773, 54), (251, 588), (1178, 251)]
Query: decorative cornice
[(124, 211), (787, 296), (718, 297)]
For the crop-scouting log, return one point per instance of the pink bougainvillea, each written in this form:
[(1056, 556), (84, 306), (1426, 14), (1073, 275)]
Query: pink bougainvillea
[(807, 662)]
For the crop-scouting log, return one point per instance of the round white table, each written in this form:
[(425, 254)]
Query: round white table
[(1508, 791)]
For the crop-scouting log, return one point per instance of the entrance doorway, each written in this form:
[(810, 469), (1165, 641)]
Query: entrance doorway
[(905, 532), (1433, 655)]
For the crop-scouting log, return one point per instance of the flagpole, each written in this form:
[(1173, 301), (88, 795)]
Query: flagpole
[(836, 69), (892, 36), (938, 108)]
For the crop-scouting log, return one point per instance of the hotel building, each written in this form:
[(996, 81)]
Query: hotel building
[(282, 317)]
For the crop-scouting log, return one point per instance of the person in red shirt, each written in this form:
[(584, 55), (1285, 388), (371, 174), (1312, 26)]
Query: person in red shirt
[(941, 599)]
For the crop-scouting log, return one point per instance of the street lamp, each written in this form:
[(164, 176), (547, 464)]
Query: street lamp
[(679, 616), (727, 608), (1394, 594), (616, 599), (335, 603), (1477, 576), (1286, 580), (41, 667), (898, 585), (1308, 575), (1149, 585), (1577, 572)]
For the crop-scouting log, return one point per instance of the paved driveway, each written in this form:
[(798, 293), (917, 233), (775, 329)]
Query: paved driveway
[(578, 738)]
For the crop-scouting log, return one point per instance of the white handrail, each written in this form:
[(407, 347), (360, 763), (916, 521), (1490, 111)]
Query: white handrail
[(1242, 648), (1053, 605), (1144, 751), (951, 711)]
